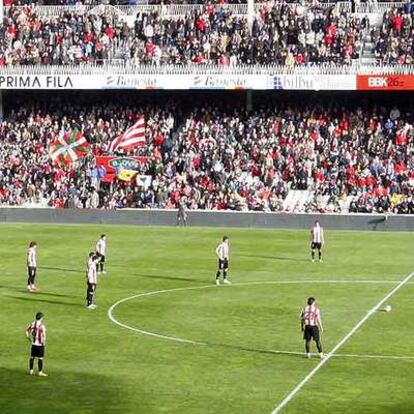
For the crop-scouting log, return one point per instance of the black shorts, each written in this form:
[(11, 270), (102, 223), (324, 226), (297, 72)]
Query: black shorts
[(311, 332), (223, 264), (316, 246), (101, 256), (38, 351), (31, 271)]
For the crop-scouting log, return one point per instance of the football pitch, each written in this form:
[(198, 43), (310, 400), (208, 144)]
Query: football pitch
[(165, 339)]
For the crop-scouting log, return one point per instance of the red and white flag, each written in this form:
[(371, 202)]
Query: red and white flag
[(133, 137), (68, 148)]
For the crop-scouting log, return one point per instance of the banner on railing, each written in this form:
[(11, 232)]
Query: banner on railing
[(43, 81), (226, 81), (185, 82), (385, 82), (313, 82)]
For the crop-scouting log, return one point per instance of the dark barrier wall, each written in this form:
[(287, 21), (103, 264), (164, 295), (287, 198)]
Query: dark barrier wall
[(209, 219)]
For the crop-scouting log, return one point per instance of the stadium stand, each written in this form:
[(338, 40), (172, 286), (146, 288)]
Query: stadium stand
[(393, 39), (68, 39), (289, 156), (281, 34), (284, 157)]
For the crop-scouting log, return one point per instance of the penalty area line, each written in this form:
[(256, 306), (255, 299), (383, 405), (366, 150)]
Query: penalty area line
[(331, 354)]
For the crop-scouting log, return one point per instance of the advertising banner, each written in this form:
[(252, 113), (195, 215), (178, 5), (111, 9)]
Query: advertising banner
[(49, 82), (385, 82), (179, 82), (313, 82), (186, 82)]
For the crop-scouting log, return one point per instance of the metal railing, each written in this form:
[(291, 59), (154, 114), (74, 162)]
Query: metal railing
[(183, 9), (377, 7), (116, 67), (165, 10)]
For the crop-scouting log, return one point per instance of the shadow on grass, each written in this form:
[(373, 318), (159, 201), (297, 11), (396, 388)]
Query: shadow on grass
[(60, 269), (278, 258), (61, 392), (257, 350), (184, 279), (35, 297), (57, 295), (24, 290)]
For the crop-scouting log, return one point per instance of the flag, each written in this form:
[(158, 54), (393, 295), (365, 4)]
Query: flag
[(69, 147), (127, 175), (144, 180), (133, 137)]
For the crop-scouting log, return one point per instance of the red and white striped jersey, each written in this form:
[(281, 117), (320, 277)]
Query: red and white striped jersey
[(36, 331), (101, 246), (31, 257), (91, 272), (311, 316), (222, 251), (317, 234)]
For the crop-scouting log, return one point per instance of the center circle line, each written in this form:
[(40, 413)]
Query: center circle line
[(210, 286)]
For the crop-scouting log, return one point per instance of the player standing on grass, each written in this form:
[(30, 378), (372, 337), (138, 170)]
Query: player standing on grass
[(31, 266), (222, 252), (182, 214), (317, 240), (36, 334), (310, 321), (91, 279), (100, 252)]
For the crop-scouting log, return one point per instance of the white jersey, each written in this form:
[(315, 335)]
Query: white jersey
[(101, 246), (311, 316), (31, 257), (222, 251), (317, 234), (91, 272)]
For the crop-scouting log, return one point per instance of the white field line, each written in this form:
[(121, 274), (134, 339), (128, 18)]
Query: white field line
[(283, 282), (372, 356), (155, 292), (312, 373), (362, 356), (272, 282)]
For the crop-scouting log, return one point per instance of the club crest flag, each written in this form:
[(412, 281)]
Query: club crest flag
[(127, 175)]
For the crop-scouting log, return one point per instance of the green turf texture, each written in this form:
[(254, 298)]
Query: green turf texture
[(97, 367)]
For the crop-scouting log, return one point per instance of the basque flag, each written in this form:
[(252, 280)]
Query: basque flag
[(69, 147)]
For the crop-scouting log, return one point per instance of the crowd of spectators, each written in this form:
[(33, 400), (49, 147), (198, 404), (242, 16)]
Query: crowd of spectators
[(393, 40), (217, 157), (289, 34), (128, 2), (70, 39), (294, 35)]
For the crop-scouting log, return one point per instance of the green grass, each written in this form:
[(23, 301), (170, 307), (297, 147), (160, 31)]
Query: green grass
[(97, 367)]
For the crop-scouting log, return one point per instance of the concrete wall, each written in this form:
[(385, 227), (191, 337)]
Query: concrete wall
[(208, 219)]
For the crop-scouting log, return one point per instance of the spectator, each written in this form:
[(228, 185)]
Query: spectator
[(287, 34), (393, 42), (217, 158)]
